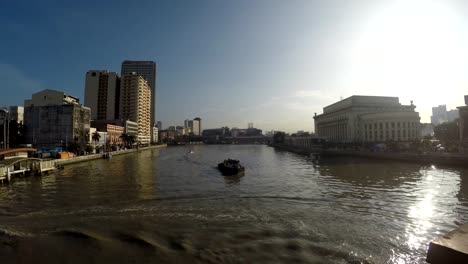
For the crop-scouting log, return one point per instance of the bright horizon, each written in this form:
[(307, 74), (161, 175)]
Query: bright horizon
[(273, 63)]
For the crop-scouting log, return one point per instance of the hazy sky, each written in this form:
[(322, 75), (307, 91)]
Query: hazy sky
[(273, 63)]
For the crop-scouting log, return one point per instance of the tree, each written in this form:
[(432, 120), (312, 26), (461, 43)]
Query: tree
[(127, 139), (96, 137), (448, 134), (89, 148), (278, 137)]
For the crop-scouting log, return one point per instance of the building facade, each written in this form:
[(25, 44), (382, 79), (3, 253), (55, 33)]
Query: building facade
[(135, 105), (54, 119), (114, 132), (146, 69), (15, 113), (155, 136), (368, 119), (197, 126), (102, 92)]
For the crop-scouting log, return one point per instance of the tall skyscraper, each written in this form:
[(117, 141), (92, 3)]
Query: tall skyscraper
[(102, 92), (135, 104), (146, 69)]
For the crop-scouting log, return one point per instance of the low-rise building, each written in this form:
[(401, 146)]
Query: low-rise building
[(114, 131), (368, 119)]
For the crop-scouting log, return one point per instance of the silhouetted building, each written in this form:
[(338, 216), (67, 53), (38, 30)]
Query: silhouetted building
[(102, 94), (368, 119)]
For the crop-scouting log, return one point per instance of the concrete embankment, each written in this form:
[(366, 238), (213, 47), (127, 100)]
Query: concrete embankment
[(432, 158), (450, 248), (61, 162)]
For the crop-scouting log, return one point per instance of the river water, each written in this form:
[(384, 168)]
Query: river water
[(167, 206)]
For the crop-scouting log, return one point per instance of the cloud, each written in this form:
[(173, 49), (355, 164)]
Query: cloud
[(16, 86)]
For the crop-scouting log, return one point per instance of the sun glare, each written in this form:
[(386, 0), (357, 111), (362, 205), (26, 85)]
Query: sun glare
[(412, 49)]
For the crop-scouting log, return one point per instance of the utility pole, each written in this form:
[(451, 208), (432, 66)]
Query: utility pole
[(6, 121)]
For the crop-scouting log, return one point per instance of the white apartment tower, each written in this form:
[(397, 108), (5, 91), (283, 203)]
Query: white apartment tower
[(135, 104)]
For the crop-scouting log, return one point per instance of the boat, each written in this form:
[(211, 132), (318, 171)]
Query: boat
[(231, 167)]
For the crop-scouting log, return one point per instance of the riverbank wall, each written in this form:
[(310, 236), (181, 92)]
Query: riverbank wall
[(428, 158), (62, 162)]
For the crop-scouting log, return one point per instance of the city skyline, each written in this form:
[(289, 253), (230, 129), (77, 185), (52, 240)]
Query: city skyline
[(267, 62)]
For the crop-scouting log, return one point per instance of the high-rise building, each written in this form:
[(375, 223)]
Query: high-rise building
[(159, 125), (102, 92), (135, 104), (54, 119), (250, 125), (441, 115), (146, 69), (197, 126)]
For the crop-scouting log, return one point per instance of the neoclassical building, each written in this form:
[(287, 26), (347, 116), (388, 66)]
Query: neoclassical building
[(368, 119)]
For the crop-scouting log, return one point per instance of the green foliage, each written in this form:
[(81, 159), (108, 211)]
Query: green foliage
[(448, 133), (89, 148), (278, 137)]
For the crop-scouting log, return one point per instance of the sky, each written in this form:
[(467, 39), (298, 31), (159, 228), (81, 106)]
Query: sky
[(271, 62)]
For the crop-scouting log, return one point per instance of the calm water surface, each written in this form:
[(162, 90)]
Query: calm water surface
[(172, 207)]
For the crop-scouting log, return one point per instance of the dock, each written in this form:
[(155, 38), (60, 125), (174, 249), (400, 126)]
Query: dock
[(450, 248), (18, 162), (24, 166)]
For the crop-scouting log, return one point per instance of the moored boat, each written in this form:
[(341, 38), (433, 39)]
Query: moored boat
[(231, 167)]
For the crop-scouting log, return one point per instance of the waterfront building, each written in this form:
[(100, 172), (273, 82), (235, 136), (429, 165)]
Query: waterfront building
[(246, 132), (131, 128), (154, 136), (368, 119), (441, 115), (53, 119), (114, 131), (463, 124), (135, 105), (146, 69), (179, 130), (162, 135), (102, 92)]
